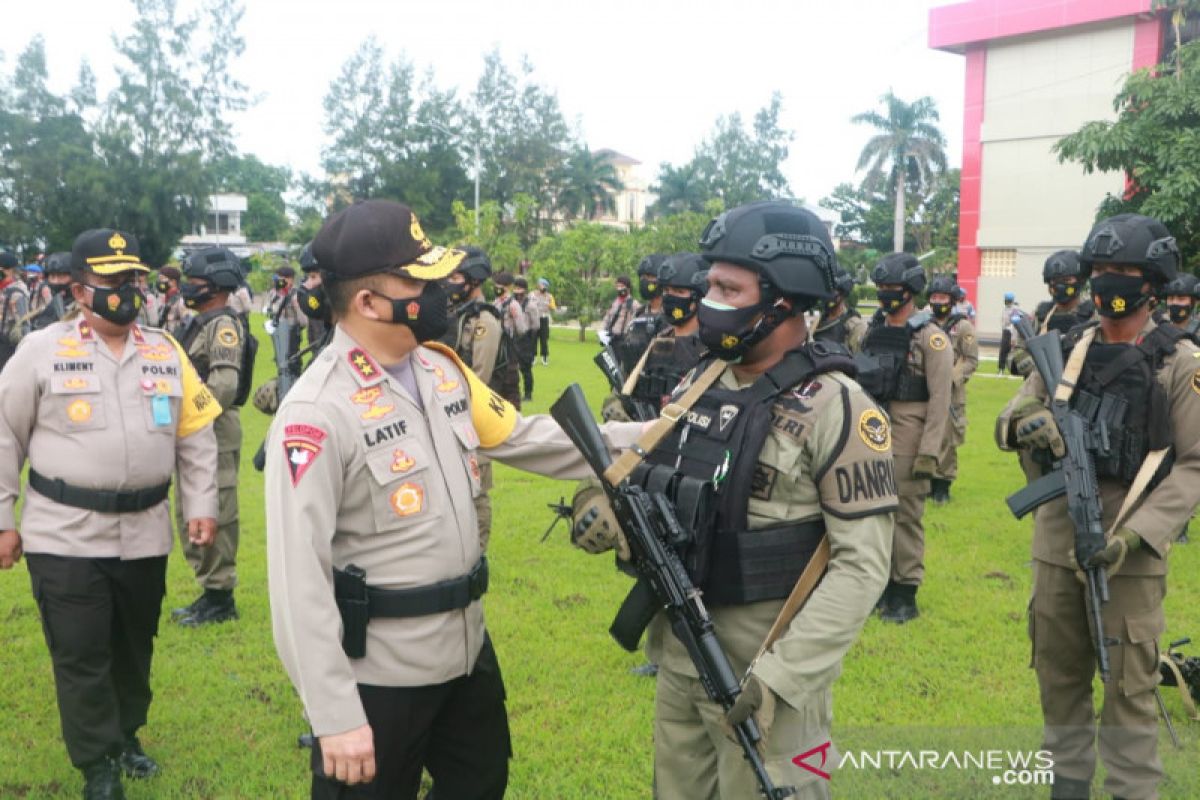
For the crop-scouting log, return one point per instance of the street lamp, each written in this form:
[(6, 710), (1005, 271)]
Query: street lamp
[(477, 167)]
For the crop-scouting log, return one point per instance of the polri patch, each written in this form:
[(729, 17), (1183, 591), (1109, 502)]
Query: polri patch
[(874, 430), (79, 411), (408, 499), (227, 337)]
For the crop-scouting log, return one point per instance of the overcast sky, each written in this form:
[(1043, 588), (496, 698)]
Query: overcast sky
[(645, 77)]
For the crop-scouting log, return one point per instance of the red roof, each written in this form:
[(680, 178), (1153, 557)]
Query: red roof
[(956, 26)]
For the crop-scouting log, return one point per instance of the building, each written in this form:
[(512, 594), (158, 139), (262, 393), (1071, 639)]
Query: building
[(222, 224), (629, 204), (1036, 70)]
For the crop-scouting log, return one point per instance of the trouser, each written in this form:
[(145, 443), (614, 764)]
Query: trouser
[(908, 539), (544, 337), (99, 617), (694, 759), (956, 434), (483, 505), (1005, 348), (215, 566), (525, 350), (457, 730), (1065, 662)]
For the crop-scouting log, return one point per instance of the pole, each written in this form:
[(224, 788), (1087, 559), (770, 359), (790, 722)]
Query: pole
[(477, 170)]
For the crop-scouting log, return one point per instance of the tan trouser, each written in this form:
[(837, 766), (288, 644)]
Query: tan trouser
[(908, 539), (693, 758), (956, 434), (483, 506), (216, 566), (1065, 663)]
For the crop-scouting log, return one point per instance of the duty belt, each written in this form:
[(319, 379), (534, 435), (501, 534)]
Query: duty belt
[(106, 501), (449, 595)]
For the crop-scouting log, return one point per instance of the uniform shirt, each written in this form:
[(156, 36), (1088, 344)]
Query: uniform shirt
[(216, 352), (966, 359), (285, 307), (856, 329), (826, 434), (533, 314), (81, 415), (967, 309), (240, 301), (173, 315), (358, 474), (14, 306), (477, 339), (1160, 515), (544, 301), (918, 428), (512, 316), (620, 314)]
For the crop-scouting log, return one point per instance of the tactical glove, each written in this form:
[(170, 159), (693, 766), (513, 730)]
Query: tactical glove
[(613, 410), (1022, 363), (758, 699), (1039, 430), (924, 467), (1112, 557), (266, 397), (594, 527)]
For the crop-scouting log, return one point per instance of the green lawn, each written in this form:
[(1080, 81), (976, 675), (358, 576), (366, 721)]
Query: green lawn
[(225, 719)]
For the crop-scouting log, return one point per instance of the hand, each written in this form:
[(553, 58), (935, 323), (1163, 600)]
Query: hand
[(202, 531), (1022, 363), (613, 410), (269, 326), (603, 337), (349, 757), (924, 467), (1112, 557), (1039, 430), (758, 699), (266, 397), (594, 527), (10, 549)]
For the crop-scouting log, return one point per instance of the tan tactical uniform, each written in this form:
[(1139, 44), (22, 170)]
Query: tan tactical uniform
[(826, 435), (919, 428), (85, 418), (512, 316), (1063, 655), (360, 472), (479, 337), (14, 306), (217, 353), (856, 329), (966, 361)]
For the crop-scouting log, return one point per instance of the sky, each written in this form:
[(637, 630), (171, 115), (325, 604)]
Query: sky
[(645, 77)]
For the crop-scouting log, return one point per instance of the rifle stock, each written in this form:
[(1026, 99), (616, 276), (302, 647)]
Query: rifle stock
[(610, 365)]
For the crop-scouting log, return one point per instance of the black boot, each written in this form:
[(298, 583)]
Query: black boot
[(887, 599), (1070, 789), (904, 605), (1183, 534), (188, 610), (102, 780), (134, 761), (939, 491), (215, 606)]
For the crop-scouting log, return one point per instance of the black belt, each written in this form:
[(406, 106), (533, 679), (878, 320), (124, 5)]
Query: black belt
[(104, 500), (435, 598)]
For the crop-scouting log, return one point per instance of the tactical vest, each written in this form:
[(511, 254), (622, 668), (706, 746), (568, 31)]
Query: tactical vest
[(708, 468), (1192, 329), (249, 349), (1060, 322), (884, 370), (506, 374), (641, 331), (51, 313), (670, 358), (837, 331), (950, 322), (1118, 393)]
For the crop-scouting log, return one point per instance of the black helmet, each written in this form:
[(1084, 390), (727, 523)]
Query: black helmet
[(650, 264), (787, 246), (308, 262), (476, 266), (902, 269), (1184, 284), (1065, 264), (1135, 240), (58, 263), (843, 282), (942, 283), (8, 260), (684, 271), (217, 265)]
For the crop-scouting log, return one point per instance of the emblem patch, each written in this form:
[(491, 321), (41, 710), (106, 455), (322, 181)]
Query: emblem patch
[(402, 462), (113, 302), (79, 411), (362, 364), (408, 499), (155, 352), (414, 229), (1196, 379), (378, 412), (727, 415), (301, 445), (75, 383), (71, 352), (938, 341), (227, 337), (873, 429), (1118, 304), (413, 310), (473, 465), (444, 385)]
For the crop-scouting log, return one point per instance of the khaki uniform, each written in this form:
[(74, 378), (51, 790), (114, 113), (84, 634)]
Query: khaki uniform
[(1063, 655), (512, 316), (14, 306), (620, 314), (360, 472), (216, 352), (818, 450), (850, 328), (966, 361), (240, 302), (173, 315)]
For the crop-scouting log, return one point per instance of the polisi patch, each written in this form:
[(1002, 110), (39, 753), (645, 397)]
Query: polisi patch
[(699, 420), (874, 430), (408, 499)]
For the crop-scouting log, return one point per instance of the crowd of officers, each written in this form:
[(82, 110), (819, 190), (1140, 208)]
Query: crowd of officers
[(783, 451)]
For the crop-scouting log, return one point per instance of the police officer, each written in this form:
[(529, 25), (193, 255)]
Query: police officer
[(806, 455), (1066, 280), (966, 361), (620, 313), (1181, 294), (215, 341), (14, 306), (840, 322), (106, 411), (478, 338), (368, 456), (1156, 372), (283, 305), (546, 307), (526, 343), (173, 315), (58, 282), (647, 319), (310, 296), (908, 366)]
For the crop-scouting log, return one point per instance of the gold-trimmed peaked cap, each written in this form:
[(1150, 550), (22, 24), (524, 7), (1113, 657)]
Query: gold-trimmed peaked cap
[(105, 251), (377, 235)]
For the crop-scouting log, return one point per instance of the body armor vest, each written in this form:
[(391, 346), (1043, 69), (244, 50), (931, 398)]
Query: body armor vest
[(51, 313), (836, 331), (883, 367), (249, 350), (951, 321), (641, 331), (1063, 322), (707, 467), (506, 373), (1192, 329), (671, 357)]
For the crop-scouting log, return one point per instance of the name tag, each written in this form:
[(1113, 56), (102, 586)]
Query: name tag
[(160, 407)]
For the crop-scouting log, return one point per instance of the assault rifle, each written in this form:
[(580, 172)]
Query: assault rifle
[(610, 365), (1073, 475), (653, 532)]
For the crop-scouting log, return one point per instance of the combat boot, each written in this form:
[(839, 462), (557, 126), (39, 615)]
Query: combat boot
[(939, 491), (216, 606), (904, 605), (186, 611), (134, 761), (1070, 789), (102, 780), (887, 599)]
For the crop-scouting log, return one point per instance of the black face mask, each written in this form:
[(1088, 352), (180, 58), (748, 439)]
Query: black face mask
[(314, 303), (892, 299), (62, 289), (1118, 296), (648, 288), (427, 315), (458, 292), (727, 331), (163, 287), (194, 296), (678, 310), (119, 306), (940, 310), (1179, 314), (1063, 293)]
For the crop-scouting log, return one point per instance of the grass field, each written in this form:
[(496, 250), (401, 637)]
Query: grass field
[(225, 720)]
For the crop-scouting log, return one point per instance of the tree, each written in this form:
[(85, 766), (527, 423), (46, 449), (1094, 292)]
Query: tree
[(580, 263), (680, 190), (909, 146), (586, 184), (866, 216), (1153, 142), (264, 187)]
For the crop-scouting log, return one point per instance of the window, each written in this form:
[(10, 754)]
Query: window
[(998, 263)]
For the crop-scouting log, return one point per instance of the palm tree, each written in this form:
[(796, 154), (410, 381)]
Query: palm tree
[(680, 189), (587, 183), (909, 146)]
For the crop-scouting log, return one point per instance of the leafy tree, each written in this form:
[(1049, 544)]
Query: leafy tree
[(581, 263), (909, 146), (586, 183), (680, 190), (866, 216), (264, 187)]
